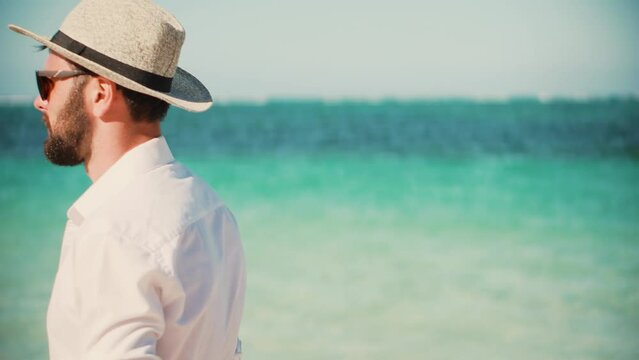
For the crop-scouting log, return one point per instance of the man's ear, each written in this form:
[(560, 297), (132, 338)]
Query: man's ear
[(101, 96)]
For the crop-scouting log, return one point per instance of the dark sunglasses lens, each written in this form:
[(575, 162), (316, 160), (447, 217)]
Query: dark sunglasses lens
[(44, 86)]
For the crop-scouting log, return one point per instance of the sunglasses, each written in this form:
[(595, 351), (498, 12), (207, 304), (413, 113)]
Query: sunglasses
[(45, 79)]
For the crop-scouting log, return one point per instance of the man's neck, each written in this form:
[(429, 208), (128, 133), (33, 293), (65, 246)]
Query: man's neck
[(112, 142)]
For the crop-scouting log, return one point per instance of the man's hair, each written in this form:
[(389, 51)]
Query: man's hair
[(142, 107)]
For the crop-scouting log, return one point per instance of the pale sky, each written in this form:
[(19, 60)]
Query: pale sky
[(368, 49)]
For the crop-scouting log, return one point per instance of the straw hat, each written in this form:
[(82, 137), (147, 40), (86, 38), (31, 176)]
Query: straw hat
[(134, 43)]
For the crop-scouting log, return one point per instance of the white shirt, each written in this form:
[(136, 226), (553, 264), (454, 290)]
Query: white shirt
[(151, 267)]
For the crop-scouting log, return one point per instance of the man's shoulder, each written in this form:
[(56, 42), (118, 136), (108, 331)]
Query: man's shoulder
[(159, 205)]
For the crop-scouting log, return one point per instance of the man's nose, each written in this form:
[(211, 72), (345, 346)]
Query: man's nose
[(39, 104)]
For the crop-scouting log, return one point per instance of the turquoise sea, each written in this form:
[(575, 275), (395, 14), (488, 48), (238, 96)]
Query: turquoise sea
[(430, 229)]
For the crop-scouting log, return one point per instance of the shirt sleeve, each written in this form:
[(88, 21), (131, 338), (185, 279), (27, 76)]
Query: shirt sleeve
[(118, 292)]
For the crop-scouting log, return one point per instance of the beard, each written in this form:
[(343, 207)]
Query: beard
[(69, 146)]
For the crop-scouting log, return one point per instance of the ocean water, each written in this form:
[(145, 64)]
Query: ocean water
[(448, 229)]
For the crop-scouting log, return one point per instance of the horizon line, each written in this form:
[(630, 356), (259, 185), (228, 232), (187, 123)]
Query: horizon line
[(257, 100)]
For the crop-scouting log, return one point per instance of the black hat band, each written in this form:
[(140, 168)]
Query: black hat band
[(142, 77)]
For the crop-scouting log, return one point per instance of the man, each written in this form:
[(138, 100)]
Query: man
[(151, 264)]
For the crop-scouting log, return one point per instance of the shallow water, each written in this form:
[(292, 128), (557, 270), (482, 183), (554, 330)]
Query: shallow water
[(383, 254)]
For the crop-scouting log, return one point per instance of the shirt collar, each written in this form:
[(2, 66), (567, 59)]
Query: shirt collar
[(135, 162)]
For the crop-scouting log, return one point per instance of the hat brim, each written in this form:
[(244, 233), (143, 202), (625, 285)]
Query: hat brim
[(187, 92)]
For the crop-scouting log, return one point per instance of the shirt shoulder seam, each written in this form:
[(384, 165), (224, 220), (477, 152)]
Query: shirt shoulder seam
[(154, 249)]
